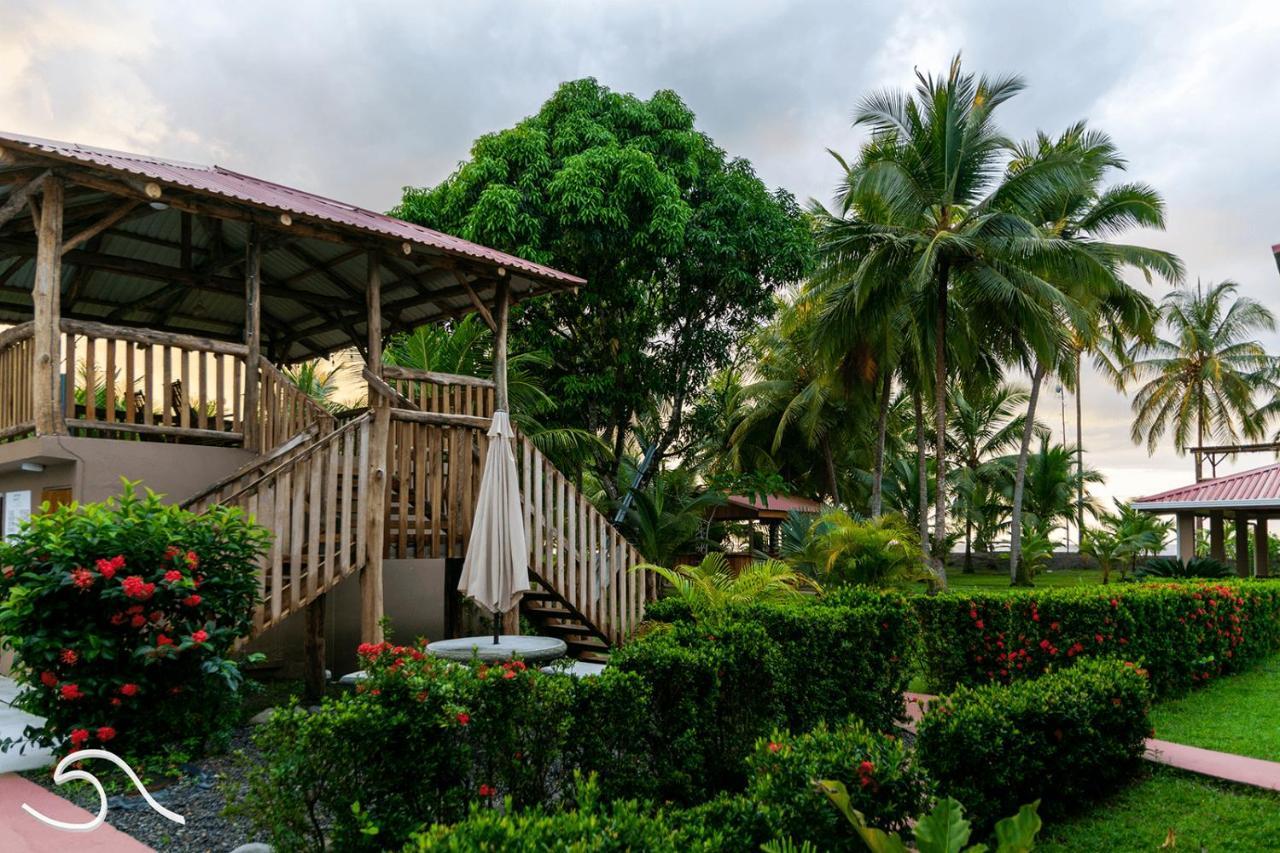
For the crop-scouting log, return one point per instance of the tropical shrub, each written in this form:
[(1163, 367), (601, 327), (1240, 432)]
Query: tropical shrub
[(1067, 737), (122, 617), (1183, 633), (886, 784), (711, 587), (1173, 568), (713, 695), (843, 550)]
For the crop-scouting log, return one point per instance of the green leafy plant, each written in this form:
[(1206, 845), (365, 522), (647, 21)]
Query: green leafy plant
[(1174, 569), (122, 616), (711, 587), (843, 550)]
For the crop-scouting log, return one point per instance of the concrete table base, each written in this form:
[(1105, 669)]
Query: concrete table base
[(509, 646)]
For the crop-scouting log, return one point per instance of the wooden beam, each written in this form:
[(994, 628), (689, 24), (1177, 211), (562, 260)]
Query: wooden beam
[(17, 200), (374, 515), (441, 419), (383, 389), (151, 337), (313, 649), (252, 338), (475, 300), (392, 371), (373, 297), (46, 297), (157, 429), (502, 304)]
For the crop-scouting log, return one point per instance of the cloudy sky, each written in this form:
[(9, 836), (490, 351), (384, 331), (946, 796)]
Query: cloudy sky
[(355, 100)]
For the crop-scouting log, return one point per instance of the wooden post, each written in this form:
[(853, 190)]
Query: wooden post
[(252, 338), (1261, 542), (46, 296), (375, 485), (1242, 545), (313, 650), (1217, 538)]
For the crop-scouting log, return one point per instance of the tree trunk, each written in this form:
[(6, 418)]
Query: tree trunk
[(940, 434), (968, 547), (1017, 571), (1079, 458), (882, 425), (833, 488), (922, 473)]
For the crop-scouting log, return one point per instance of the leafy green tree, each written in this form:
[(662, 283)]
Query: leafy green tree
[(667, 519), (682, 247), (1122, 537), (1203, 379), (1050, 493)]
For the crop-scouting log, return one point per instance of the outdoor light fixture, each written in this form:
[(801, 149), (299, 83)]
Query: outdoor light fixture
[(159, 205), (33, 467)]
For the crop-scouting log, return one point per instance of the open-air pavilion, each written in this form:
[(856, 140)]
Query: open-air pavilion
[(1249, 498)]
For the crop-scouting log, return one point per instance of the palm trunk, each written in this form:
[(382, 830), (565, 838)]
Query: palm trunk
[(1017, 571), (1079, 458), (882, 426), (833, 488), (922, 473), (968, 546), (940, 433)]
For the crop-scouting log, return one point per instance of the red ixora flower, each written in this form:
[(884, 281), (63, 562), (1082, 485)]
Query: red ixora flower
[(71, 692), (69, 657), (173, 576), (487, 790), (82, 579), (193, 560), (192, 601), (138, 621), (171, 552), (108, 568), (774, 746), (106, 733), (136, 587), (162, 640), (79, 737), (118, 618), (463, 718), (129, 689), (509, 674), (48, 679), (200, 636)]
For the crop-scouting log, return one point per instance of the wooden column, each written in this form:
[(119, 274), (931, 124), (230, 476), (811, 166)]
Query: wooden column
[(252, 339), (1261, 550), (46, 296), (375, 485), (313, 650), (1186, 536), (1217, 537), (1242, 545)]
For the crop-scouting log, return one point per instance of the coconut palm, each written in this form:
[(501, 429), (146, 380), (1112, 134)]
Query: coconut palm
[(1050, 494), (926, 216), (1204, 377), (1085, 216), (317, 381)]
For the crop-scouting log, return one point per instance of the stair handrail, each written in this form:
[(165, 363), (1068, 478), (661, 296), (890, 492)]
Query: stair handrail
[(306, 436)]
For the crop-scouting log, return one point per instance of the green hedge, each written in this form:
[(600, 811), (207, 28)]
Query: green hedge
[(1064, 738), (844, 654), (1183, 634)]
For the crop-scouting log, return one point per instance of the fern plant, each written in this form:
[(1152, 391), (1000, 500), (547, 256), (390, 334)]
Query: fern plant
[(711, 588)]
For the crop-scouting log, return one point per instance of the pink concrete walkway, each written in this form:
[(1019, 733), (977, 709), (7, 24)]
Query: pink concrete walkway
[(21, 833), (1193, 759)]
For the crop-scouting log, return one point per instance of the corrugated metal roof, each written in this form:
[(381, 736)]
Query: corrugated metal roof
[(218, 181), (1253, 488)]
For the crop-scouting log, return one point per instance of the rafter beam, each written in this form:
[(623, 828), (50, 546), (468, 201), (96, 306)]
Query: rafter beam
[(101, 225), (17, 200)]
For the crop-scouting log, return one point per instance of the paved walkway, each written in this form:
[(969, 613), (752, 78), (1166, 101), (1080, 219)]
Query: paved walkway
[(1193, 759), (21, 833), (12, 724)]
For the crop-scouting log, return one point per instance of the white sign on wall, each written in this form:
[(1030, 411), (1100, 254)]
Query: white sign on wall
[(17, 509)]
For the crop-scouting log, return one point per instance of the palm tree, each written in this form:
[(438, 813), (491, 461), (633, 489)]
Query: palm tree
[(983, 425), (926, 217), (320, 384), (1083, 216), (1203, 379), (1050, 495)]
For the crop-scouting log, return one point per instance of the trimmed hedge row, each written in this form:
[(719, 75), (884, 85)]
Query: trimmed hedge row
[(845, 654), (1183, 634), (1064, 738)]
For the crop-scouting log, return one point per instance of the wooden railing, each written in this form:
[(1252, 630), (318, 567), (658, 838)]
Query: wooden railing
[(576, 551), (284, 410), (120, 380), (309, 498), (17, 409), (444, 393)]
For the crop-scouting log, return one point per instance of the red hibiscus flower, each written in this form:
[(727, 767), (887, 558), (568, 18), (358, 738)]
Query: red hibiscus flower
[(192, 601), (129, 689), (82, 578), (173, 575), (71, 692), (78, 737), (199, 636), (106, 733), (48, 679), (69, 657)]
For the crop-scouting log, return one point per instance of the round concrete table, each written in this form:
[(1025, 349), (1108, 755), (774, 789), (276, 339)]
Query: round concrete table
[(530, 649)]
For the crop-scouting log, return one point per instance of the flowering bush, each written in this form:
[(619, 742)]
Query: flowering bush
[(122, 615), (1183, 634), (883, 781), (1065, 737)]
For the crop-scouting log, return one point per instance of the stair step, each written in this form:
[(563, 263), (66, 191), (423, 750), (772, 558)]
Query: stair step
[(563, 630)]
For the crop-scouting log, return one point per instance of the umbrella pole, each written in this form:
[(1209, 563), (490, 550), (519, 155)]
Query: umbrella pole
[(497, 626)]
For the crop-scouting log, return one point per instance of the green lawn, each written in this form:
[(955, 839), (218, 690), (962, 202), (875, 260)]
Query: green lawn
[(1202, 814), (1236, 714), (957, 579)]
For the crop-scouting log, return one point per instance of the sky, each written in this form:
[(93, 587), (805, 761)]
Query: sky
[(356, 100)]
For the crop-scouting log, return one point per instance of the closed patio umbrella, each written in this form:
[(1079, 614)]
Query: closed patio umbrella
[(495, 572)]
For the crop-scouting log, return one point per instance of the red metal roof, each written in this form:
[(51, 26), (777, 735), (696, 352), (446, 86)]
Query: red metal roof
[(775, 504), (1256, 487), (215, 180)]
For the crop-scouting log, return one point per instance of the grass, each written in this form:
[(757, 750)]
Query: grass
[(1200, 813), (1236, 714), (990, 581)]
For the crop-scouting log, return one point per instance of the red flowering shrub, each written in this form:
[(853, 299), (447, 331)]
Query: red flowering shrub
[(1183, 634), (112, 642)]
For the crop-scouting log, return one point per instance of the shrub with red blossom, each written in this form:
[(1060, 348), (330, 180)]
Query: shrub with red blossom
[(97, 664)]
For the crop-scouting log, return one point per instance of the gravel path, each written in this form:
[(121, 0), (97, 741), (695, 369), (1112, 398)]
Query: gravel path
[(197, 797)]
